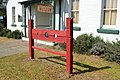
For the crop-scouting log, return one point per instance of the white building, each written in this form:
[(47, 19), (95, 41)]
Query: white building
[(99, 17)]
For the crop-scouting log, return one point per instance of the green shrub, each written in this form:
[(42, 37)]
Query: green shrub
[(4, 32), (9, 35), (84, 43), (1, 33), (16, 34), (109, 57), (98, 48), (112, 52), (63, 45), (88, 44), (117, 58)]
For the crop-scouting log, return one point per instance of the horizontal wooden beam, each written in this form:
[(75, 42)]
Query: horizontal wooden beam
[(46, 50)]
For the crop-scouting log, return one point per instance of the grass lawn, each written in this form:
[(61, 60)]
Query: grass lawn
[(5, 39), (46, 66)]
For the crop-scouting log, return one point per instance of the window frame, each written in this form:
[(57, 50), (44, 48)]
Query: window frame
[(109, 26), (75, 11), (108, 29)]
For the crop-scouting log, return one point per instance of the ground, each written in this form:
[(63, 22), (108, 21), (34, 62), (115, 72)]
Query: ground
[(4, 39), (47, 66), (12, 46)]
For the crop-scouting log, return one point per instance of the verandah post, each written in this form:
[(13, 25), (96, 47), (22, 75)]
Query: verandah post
[(31, 41), (69, 45)]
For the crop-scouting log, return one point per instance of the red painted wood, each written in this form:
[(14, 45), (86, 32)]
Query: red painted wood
[(51, 32), (69, 27), (31, 40), (69, 45), (46, 50), (54, 35)]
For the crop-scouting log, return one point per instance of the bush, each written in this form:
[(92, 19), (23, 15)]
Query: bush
[(90, 45), (9, 35), (16, 34), (1, 33), (117, 58), (112, 52), (62, 46), (108, 57), (4, 32), (84, 43), (98, 48)]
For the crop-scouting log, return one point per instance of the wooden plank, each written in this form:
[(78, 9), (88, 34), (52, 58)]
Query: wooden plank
[(46, 50), (31, 40), (49, 35), (69, 45)]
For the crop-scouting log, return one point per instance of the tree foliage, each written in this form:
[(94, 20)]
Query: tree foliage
[(2, 7)]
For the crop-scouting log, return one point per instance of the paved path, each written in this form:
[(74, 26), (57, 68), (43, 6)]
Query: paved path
[(13, 47)]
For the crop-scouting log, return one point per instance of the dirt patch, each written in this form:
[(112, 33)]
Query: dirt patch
[(4, 39)]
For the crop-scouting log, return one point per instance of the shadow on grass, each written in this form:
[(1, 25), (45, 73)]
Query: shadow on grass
[(78, 71)]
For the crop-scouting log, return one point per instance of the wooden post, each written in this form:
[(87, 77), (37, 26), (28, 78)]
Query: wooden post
[(31, 40), (69, 45)]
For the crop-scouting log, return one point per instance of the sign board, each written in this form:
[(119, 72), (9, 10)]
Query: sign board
[(44, 8)]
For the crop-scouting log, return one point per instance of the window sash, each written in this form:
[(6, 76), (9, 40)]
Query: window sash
[(75, 11), (110, 12)]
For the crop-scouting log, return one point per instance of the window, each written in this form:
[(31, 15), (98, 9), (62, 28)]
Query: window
[(20, 18), (109, 19), (13, 15), (75, 11), (110, 12)]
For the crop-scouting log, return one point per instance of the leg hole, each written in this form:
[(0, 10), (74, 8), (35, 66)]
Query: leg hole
[(38, 34), (46, 34), (55, 35)]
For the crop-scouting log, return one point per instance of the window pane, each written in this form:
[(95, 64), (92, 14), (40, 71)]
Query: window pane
[(75, 11), (110, 13), (75, 16), (77, 4), (13, 11), (107, 4), (114, 3), (74, 5), (13, 19), (106, 17), (113, 17), (13, 15), (20, 18)]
